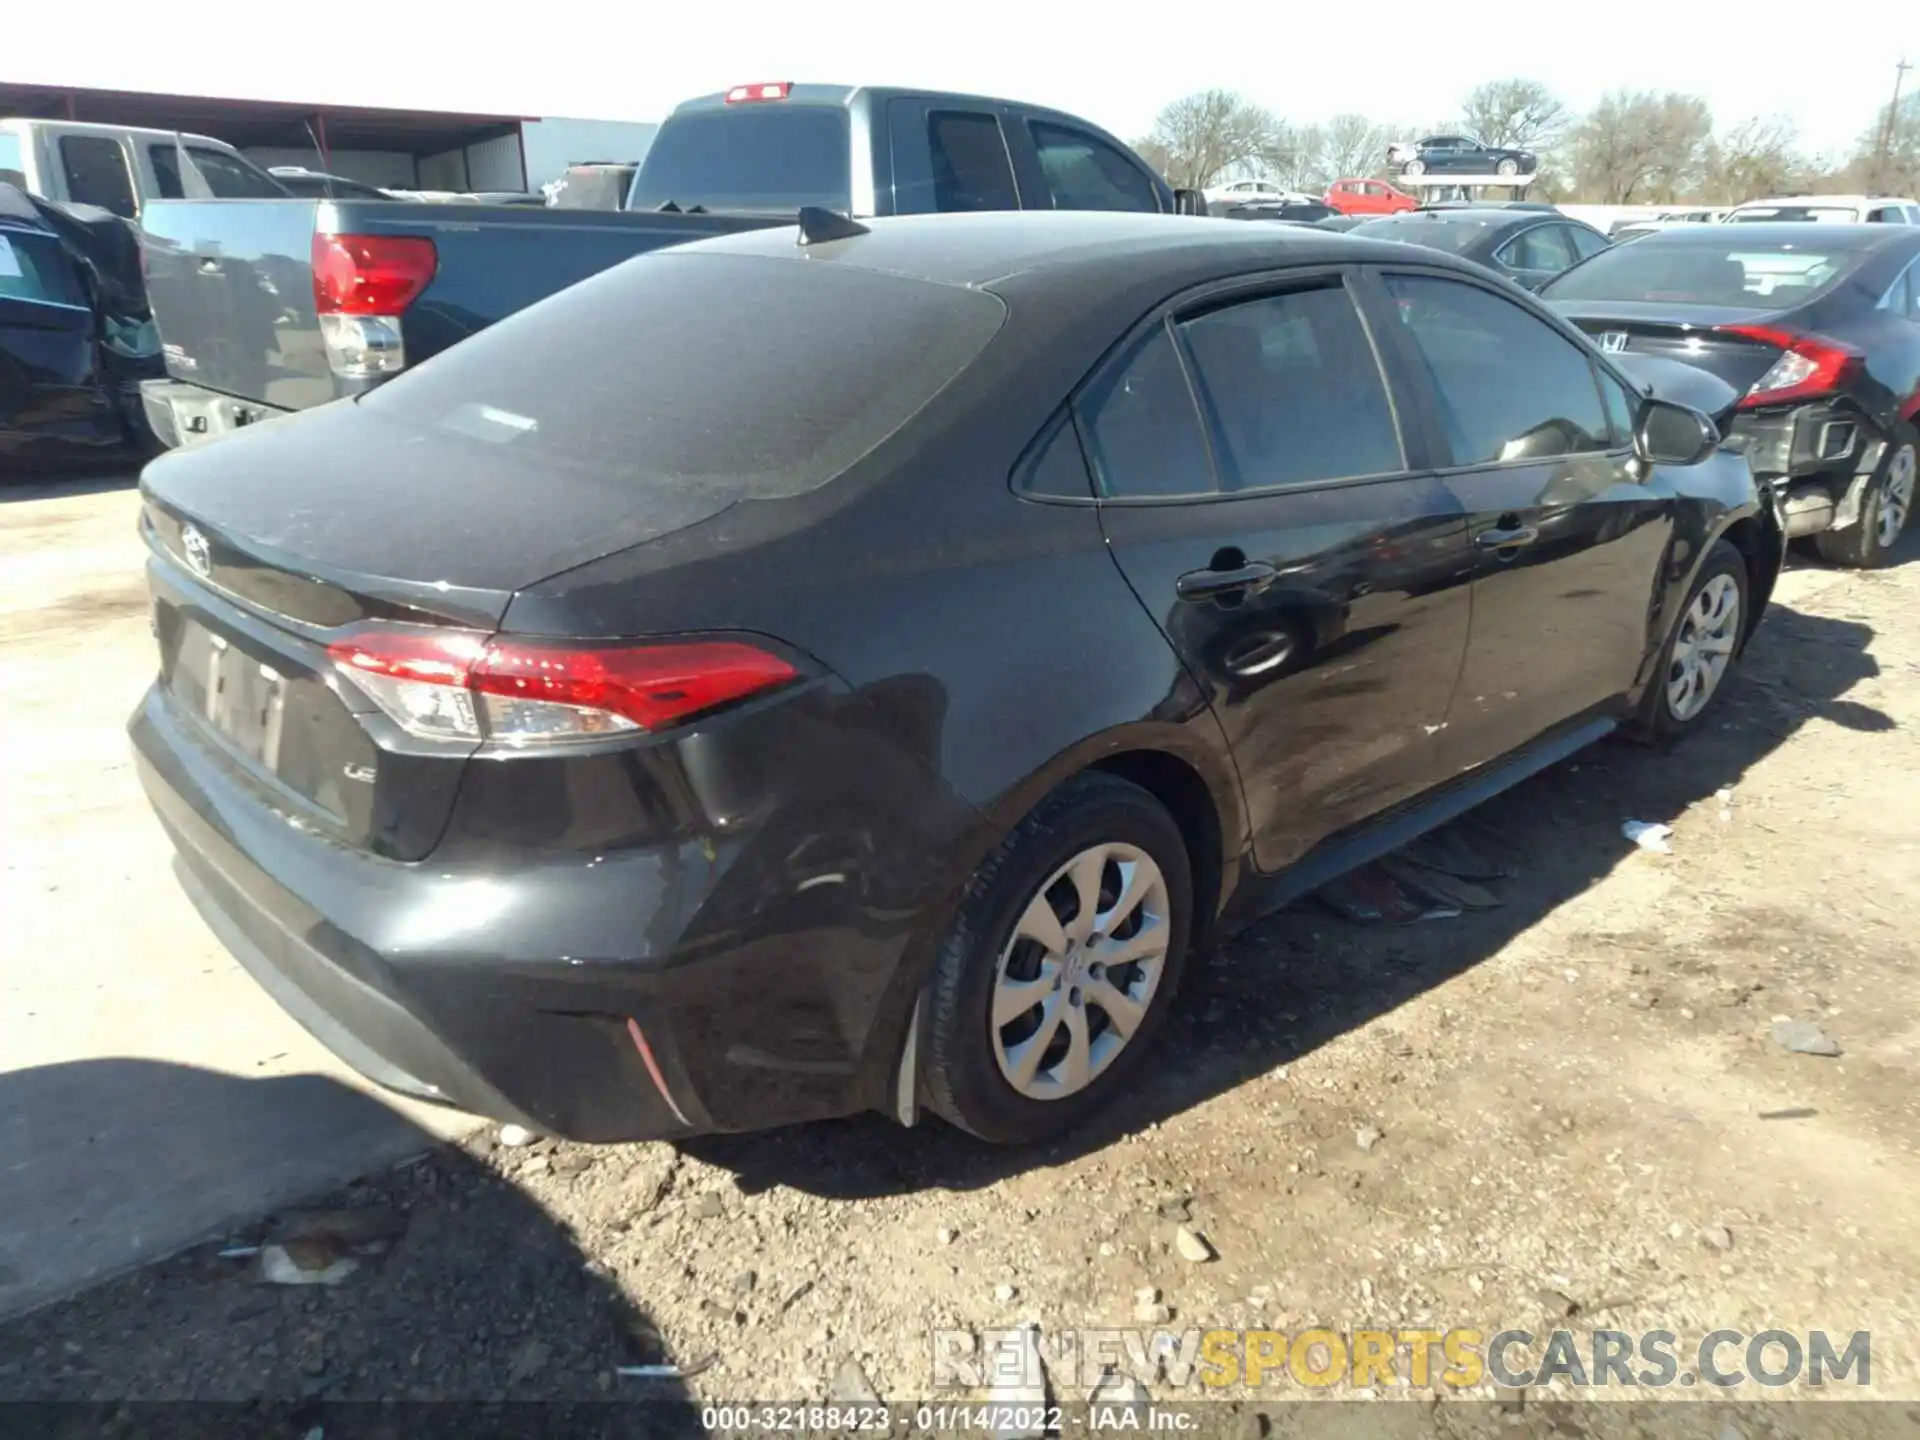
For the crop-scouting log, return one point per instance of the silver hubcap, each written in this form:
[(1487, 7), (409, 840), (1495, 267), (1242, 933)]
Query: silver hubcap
[(1896, 501), (1079, 975), (1708, 633)]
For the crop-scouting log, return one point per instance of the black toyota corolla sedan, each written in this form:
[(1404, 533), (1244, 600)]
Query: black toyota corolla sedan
[(1529, 247), (771, 680), (1818, 328)]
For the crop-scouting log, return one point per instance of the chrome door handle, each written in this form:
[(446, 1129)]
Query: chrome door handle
[(1200, 584), (1506, 539)]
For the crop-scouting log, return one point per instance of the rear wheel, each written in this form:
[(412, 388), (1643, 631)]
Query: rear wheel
[(1413, 167), (1884, 510), (1507, 167), (1058, 972), (1699, 653)]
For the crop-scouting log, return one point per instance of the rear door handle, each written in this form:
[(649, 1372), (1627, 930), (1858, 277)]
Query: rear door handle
[(1506, 539), (1200, 584)]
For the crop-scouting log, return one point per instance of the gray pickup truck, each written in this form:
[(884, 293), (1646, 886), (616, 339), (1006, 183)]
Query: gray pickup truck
[(272, 306)]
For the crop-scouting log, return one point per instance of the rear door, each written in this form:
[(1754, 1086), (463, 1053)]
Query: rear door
[(1568, 542), (1292, 543), (49, 387)]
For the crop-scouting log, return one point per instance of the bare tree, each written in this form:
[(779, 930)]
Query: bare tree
[(1887, 158), (1353, 145), (1201, 137), (1521, 114), (1639, 147), (1754, 158)]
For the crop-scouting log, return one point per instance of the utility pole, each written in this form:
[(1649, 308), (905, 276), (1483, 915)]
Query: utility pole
[(1886, 133)]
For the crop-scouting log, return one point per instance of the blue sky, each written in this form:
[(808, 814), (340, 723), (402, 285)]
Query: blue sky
[(633, 62)]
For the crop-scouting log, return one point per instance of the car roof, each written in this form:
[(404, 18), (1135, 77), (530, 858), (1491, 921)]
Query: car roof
[(988, 248)]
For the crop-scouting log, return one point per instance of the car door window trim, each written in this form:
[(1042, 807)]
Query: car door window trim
[(1243, 289)]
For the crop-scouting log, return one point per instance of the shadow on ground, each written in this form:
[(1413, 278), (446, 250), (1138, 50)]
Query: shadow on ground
[(51, 483), (460, 1286), (1304, 977)]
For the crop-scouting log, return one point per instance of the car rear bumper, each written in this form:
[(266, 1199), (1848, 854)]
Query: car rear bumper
[(1815, 458), (494, 990), (182, 414)]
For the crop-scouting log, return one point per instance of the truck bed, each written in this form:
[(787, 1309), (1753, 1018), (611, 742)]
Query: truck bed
[(231, 281)]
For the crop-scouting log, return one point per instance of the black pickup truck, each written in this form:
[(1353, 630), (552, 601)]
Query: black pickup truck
[(271, 306)]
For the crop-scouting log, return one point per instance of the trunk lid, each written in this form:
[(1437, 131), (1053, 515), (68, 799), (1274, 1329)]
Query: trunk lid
[(1651, 329), (273, 541), (231, 286)]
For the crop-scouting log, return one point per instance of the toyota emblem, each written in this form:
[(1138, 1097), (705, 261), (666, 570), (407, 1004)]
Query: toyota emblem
[(199, 553), (1614, 341)]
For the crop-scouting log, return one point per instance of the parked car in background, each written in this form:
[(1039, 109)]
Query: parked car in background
[(120, 168), (1302, 210), (1528, 246), (1828, 209), (319, 185), (363, 289), (1248, 192), (74, 342), (555, 768), (1820, 333), (1459, 155), (1368, 197)]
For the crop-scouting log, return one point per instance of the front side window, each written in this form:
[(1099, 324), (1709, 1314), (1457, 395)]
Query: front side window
[(970, 166), (13, 161), (1509, 386), (1085, 173), (96, 171), (1585, 242), (1142, 431), (1292, 392)]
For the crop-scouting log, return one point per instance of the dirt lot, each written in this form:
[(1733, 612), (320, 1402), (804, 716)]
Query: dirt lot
[(1569, 1109)]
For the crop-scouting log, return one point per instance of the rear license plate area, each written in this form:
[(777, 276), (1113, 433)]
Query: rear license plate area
[(241, 697)]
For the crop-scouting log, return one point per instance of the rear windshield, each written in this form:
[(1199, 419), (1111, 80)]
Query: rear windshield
[(1450, 235), (764, 157), (35, 267), (735, 377), (1683, 271)]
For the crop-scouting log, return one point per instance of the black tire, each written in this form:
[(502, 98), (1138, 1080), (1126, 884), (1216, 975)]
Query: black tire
[(1507, 167), (1414, 167), (1862, 546), (1657, 720), (961, 1076)]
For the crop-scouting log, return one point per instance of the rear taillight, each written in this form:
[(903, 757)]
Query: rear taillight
[(1809, 366), (518, 690), (767, 90), (362, 284)]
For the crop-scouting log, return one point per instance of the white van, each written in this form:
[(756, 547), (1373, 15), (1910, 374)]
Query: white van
[(118, 167)]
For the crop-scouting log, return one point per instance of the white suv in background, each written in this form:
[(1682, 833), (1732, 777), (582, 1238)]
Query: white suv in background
[(1841, 209)]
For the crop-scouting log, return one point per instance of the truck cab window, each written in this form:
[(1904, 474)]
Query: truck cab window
[(227, 177), (971, 170), (1084, 173), (96, 171)]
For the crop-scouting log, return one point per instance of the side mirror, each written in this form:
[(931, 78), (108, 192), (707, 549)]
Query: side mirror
[(1189, 202), (1669, 434)]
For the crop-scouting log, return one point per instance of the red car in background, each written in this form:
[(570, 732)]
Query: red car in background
[(1369, 197)]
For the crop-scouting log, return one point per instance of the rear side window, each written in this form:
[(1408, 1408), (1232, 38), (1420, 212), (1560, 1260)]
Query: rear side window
[(34, 267), (1141, 428), (970, 166), (1585, 242), (1292, 391), (96, 171), (1544, 247), (13, 161), (721, 375), (1085, 173), (1509, 387), (224, 177), (770, 157)]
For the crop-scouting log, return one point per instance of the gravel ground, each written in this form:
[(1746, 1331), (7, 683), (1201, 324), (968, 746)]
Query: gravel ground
[(1567, 1110)]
